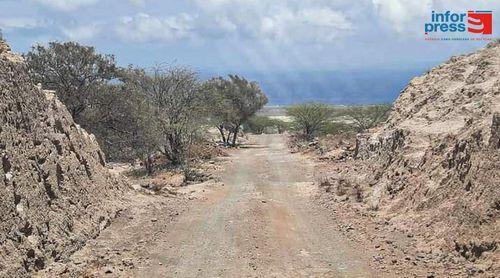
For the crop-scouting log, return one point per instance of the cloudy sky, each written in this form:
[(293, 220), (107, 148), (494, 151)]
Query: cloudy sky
[(242, 36)]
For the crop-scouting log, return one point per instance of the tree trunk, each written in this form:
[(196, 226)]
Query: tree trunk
[(228, 137), (174, 150), (221, 130), (235, 136), (148, 164)]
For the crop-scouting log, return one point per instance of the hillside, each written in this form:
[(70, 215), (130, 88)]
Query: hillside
[(432, 168), (440, 152), (54, 187)]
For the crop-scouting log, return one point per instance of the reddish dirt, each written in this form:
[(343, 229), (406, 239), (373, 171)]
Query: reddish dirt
[(259, 221)]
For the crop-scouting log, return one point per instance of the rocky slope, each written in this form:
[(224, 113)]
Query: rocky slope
[(54, 187), (433, 169)]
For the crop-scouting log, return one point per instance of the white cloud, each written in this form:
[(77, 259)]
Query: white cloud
[(66, 5), (284, 21), (139, 3), (18, 22), (144, 27), (314, 24), (83, 32), (402, 15)]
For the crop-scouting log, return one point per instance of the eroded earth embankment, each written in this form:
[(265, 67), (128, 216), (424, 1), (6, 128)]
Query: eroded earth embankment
[(54, 187), (433, 169)]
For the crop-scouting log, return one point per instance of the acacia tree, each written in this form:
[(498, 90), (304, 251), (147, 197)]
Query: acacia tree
[(218, 107), (175, 97), (121, 118), (366, 117), (72, 70), (310, 117), (233, 102)]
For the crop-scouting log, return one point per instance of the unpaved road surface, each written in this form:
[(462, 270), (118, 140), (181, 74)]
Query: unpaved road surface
[(260, 222)]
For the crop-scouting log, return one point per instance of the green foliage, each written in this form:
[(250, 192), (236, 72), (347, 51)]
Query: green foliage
[(263, 124), (74, 71), (310, 118), (336, 128), (281, 126), (120, 117), (366, 117), (231, 103), (136, 113), (178, 108)]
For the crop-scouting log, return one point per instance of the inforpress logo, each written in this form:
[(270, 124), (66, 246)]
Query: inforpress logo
[(473, 25), (480, 22)]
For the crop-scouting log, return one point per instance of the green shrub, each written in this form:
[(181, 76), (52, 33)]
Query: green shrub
[(310, 118), (336, 128)]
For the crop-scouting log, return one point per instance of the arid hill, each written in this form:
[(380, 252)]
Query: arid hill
[(54, 188), (434, 167)]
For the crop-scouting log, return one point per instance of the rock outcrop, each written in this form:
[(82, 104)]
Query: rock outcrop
[(434, 167), (55, 191)]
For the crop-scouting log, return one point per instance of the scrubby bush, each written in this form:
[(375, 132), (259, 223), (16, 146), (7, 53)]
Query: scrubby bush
[(175, 96), (366, 117), (310, 118), (336, 128), (73, 71), (136, 113), (281, 126), (120, 117), (263, 124), (259, 124)]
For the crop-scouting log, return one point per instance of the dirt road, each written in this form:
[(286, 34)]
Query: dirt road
[(260, 223)]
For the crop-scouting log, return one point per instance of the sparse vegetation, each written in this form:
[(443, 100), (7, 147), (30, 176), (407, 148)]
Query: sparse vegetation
[(263, 124), (315, 119), (75, 72), (140, 114), (175, 97), (231, 103), (366, 117), (310, 118), (338, 127)]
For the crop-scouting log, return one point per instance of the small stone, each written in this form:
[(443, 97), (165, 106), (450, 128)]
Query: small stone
[(154, 219), (378, 258)]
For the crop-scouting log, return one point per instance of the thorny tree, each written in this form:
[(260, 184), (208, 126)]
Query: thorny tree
[(175, 96), (232, 103), (74, 71), (311, 117), (366, 117)]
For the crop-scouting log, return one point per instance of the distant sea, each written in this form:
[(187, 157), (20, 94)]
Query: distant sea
[(333, 87)]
